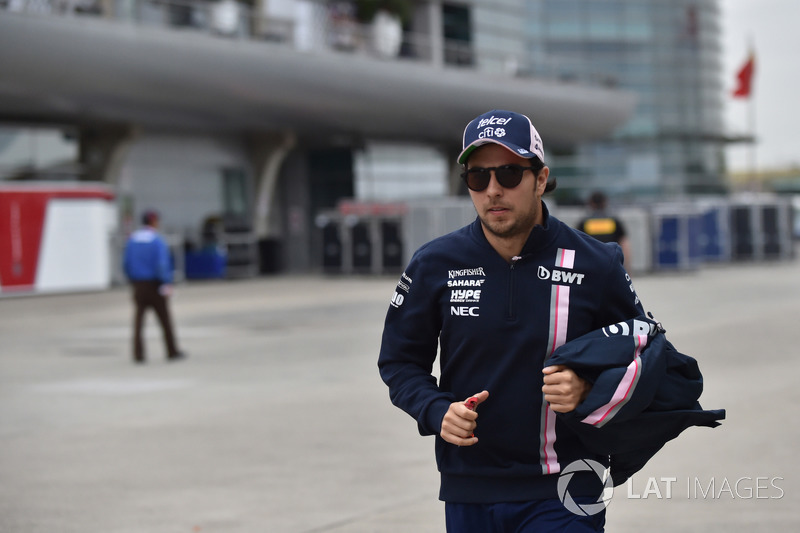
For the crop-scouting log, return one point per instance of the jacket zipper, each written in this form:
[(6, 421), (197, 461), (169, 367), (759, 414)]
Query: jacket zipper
[(511, 276)]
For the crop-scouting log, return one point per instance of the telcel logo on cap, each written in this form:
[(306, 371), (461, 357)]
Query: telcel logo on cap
[(492, 121)]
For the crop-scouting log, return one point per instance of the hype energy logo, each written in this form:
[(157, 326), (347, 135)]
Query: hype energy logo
[(585, 509)]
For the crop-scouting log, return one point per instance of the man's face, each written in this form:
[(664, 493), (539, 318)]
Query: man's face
[(508, 213)]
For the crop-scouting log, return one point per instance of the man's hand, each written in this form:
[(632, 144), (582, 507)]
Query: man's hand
[(563, 389), (459, 422)]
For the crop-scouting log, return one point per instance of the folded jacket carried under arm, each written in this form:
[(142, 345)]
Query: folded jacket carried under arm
[(644, 393)]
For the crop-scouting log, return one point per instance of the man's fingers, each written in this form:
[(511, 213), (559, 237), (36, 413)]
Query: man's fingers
[(561, 376), (462, 424), (460, 419), (459, 441), (459, 424), (459, 433), (480, 397), (553, 369), (560, 408)]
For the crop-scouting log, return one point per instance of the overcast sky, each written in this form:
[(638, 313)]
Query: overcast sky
[(773, 28)]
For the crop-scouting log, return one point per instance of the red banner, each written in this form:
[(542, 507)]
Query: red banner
[(745, 78)]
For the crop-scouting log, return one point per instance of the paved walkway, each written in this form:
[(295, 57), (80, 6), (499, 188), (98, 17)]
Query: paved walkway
[(278, 421)]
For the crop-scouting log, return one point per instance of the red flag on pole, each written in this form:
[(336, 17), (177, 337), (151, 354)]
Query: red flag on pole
[(745, 78)]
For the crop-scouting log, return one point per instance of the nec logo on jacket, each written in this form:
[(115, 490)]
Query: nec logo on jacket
[(463, 310)]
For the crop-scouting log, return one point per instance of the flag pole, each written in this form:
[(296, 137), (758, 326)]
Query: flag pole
[(751, 126), (751, 118), (744, 89)]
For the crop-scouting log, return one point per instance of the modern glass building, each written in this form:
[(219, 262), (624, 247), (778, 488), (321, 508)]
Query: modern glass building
[(669, 53), (258, 115)]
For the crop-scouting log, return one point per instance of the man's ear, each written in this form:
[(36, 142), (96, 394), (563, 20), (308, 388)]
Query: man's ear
[(541, 180)]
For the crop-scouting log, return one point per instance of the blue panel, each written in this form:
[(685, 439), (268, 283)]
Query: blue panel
[(668, 242)]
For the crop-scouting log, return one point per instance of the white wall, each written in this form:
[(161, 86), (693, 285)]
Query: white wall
[(389, 171), (75, 253), (180, 176)]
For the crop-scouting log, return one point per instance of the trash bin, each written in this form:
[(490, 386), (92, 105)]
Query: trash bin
[(361, 246), (331, 246), (743, 233), (714, 231), (391, 245)]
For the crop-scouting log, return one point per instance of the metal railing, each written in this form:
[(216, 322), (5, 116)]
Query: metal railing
[(321, 28)]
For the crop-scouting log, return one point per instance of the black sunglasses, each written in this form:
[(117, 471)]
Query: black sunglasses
[(508, 176)]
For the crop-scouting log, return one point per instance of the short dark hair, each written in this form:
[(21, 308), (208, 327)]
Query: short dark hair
[(598, 200), (552, 183), (150, 217)]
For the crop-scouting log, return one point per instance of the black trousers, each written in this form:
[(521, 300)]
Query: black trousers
[(146, 295)]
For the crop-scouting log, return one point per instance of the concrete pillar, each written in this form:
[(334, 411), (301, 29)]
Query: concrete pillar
[(427, 26), (436, 30), (269, 151), (103, 149), (454, 181)]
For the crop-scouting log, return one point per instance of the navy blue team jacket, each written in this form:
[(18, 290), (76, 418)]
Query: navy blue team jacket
[(644, 393), (494, 324)]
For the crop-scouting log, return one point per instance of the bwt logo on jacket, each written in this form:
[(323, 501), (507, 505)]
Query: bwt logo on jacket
[(560, 276), (638, 327)]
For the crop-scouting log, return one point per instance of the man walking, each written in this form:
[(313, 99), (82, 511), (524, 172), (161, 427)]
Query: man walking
[(148, 266)]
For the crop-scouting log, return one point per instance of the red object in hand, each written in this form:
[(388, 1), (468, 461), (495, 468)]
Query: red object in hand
[(471, 403)]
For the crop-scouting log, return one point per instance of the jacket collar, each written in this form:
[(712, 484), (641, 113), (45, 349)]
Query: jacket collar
[(541, 236)]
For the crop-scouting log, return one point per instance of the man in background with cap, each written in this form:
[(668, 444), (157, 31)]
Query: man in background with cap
[(148, 266), (496, 298)]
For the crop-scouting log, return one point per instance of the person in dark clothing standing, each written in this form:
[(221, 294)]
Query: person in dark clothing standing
[(148, 266), (603, 226)]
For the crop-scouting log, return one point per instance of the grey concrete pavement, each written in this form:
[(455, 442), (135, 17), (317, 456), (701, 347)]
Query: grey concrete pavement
[(278, 421)]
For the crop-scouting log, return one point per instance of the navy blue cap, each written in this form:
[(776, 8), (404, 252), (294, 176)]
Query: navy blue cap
[(506, 128)]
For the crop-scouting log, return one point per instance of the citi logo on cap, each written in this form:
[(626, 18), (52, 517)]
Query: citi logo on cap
[(492, 132)]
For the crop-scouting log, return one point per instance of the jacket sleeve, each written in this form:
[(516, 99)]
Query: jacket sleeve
[(126, 260), (618, 300), (409, 348), (164, 267)]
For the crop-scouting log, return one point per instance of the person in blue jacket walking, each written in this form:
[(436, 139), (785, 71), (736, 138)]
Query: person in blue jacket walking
[(148, 267), (495, 299)]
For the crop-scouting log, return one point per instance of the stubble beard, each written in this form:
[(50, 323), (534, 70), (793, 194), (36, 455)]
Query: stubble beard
[(509, 229)]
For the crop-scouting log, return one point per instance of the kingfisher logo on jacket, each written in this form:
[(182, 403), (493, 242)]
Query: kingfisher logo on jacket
[(465, 277)]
